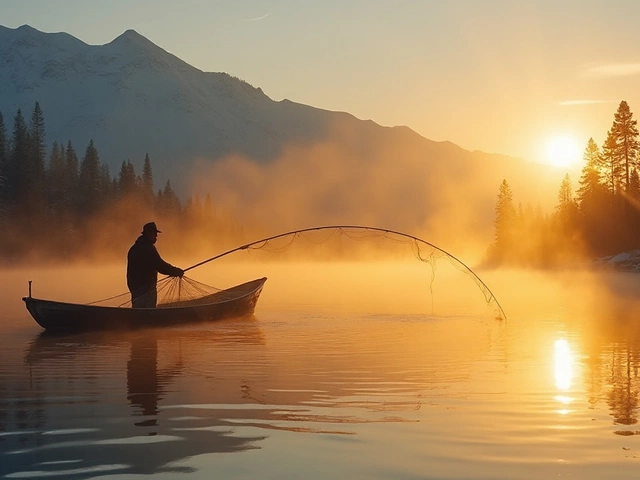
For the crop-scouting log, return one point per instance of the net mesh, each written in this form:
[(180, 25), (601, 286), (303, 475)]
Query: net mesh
[(170, 291)]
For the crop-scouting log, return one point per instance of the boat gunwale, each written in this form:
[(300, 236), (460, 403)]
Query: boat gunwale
[(259, 284)]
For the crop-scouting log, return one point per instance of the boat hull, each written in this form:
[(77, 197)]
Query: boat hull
[(233, 302)]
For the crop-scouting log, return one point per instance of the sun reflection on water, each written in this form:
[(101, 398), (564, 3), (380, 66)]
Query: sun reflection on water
[(563, 372)]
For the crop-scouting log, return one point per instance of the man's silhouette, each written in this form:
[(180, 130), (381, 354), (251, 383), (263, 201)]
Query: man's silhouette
[(143, 265)]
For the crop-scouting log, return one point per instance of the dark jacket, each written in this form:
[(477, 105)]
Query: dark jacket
[(143, 265)]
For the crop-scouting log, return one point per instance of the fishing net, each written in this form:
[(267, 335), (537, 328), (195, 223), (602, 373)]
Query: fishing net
[(339, 242), (170, 291)]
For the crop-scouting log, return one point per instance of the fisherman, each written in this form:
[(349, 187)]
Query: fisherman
[(143, 265)]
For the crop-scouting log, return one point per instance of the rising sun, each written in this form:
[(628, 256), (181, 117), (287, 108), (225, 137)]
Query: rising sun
[(563, 151)]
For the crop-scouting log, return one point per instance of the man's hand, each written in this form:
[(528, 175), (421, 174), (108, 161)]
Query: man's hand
[(179, 272)]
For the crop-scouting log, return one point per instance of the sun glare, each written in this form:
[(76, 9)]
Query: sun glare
[(563, 365), (563, 151)]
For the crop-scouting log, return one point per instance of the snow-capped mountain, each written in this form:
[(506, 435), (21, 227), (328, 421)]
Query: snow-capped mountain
[(133, 97)]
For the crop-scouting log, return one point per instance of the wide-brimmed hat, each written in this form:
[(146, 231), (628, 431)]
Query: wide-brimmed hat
[(150, 227)]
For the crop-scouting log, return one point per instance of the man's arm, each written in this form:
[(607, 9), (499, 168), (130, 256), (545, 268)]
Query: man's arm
[(164, 267)]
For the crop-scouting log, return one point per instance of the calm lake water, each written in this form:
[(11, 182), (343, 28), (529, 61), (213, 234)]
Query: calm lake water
[(362, 372)]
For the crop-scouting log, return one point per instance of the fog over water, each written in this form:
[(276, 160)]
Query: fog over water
[(442, 195), (386, 286)]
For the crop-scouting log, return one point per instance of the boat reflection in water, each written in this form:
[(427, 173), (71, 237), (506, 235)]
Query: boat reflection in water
[(76, 384)]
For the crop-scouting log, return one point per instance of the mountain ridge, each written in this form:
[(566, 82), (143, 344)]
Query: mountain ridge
[(49, 62)]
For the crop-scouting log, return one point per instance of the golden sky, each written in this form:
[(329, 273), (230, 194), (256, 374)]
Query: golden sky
[(492, 75)]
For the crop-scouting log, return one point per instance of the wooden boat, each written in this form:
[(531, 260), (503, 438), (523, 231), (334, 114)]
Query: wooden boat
[(233, 302)]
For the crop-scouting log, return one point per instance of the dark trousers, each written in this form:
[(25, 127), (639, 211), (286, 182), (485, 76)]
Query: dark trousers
[(146, 299)]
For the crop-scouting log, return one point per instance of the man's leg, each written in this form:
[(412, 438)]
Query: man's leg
[(147, 299)]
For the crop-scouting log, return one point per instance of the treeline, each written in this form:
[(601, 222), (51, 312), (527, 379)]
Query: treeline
[(601, 217), (61, 205)]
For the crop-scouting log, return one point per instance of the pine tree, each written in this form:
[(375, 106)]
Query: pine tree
[(147, 182), (625, 131), (16, 173), (32, 196), (565, 195), (590, 191), (167, 202), (505, 217), (127, 179), (170, 201), (56, 179), (611, 163), (90, 180), (71, 161), (37, 147), (159, 201), (71, 183), (106, 193)]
